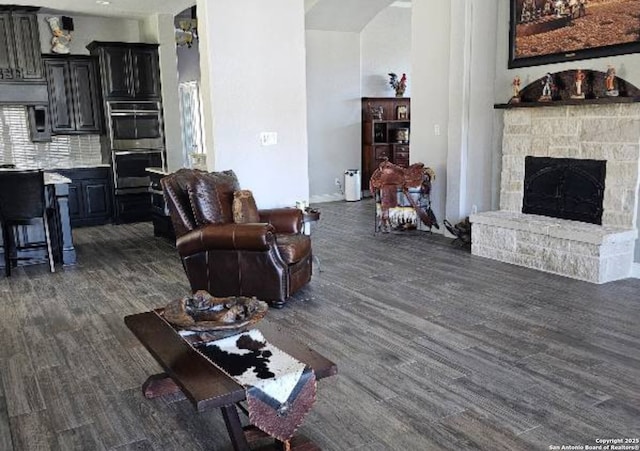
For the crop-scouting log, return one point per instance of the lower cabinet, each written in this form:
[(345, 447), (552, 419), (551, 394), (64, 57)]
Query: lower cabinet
[(90, 196), (162, 226), (133, 208)]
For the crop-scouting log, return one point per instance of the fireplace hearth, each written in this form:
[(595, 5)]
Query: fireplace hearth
[(564, 188)]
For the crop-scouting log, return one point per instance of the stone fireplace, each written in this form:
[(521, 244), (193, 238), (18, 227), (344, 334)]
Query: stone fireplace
[(568, 193)]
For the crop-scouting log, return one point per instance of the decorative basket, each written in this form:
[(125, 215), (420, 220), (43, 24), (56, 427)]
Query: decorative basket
[(219, 317)]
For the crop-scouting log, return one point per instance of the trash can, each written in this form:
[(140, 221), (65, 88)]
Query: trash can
[(352, 191)]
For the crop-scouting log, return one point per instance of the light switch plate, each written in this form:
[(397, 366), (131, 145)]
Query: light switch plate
[(269, 138)]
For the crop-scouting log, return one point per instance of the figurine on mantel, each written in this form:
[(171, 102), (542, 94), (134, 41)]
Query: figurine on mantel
[(516, 90), (547, 88), (578, 92), (610, 82)]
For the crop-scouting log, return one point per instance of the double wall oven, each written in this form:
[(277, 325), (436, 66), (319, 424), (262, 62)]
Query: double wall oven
[(136, 135)]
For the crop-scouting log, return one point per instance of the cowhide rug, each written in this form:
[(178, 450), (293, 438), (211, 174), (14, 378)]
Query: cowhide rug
[(280, 389)]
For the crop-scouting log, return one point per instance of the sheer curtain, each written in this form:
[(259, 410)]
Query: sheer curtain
[(191, 122)]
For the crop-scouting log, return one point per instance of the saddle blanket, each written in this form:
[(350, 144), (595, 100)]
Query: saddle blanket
[(280, 389)]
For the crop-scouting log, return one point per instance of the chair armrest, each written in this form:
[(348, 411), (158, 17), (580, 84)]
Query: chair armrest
[(285, 220), (250, 237)]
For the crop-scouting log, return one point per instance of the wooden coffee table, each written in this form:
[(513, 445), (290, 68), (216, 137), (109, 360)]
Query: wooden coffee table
[(204, 384)]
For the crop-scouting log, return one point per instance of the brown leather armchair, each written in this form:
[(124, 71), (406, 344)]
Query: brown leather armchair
[(270, 259)]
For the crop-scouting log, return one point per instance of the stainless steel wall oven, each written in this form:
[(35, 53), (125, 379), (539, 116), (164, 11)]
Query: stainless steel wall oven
[(135, 125)]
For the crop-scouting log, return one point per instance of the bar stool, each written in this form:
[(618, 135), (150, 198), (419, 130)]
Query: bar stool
[(22, 202)]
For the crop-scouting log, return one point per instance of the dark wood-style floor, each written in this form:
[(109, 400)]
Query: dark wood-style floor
[(436, 349)]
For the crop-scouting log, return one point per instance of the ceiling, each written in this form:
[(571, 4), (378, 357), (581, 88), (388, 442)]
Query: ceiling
[(327, 15), (342, 15), (133, 9)]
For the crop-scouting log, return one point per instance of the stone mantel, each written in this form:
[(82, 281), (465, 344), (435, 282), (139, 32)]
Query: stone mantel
[(572, 102), (607, 131)]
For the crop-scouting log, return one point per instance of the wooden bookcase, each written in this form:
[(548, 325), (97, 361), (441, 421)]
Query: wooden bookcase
[(386, 131)]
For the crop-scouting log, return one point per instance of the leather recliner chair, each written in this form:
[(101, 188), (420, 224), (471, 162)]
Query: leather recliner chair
[(270, 259)]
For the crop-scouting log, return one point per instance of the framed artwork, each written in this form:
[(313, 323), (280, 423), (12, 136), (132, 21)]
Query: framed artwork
[(552, 31), (402, 112)]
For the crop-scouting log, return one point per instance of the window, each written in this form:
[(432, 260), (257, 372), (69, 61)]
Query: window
[(191, 122)]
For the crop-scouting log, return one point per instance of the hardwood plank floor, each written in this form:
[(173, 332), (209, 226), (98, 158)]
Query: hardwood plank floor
[(436, 349)]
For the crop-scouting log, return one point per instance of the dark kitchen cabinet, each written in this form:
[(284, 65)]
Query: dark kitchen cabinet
[(128, 71), (74, 95), (19, 45), (116, 71), (90, 196), (135, 207), (146, 73)]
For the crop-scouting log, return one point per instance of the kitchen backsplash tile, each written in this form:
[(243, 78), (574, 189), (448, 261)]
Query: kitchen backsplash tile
[(64, 151)]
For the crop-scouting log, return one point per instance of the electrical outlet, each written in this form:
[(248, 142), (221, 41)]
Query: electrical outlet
[(436, 129), (337, 181)]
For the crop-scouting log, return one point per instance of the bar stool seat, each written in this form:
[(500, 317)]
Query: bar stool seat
[(22, 202)]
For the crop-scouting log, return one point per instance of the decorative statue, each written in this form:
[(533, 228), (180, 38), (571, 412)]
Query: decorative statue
[(528, 11), (610, 82), (547, 88), (516, 89), (61, 40), (376, 112), (398, 84), (579, 78)]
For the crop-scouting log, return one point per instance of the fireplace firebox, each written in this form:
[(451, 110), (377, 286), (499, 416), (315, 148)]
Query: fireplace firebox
[(565, 188)]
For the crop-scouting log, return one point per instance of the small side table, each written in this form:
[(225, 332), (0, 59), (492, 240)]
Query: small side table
[(309, 216)]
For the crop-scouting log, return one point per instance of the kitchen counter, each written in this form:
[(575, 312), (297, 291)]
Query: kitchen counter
[(83, 166), (159, 171), (50, 178), (53, 178)]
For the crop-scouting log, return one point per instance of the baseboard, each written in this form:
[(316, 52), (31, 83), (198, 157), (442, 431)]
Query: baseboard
[(635, 270), (319, 199)]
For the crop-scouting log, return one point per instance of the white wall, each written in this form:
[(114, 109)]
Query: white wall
[(471, 96), (255, 58), (430, 33), (158, 28), (90, 28), (333, 109), (189, 62), (454, 51), (627, 67), (342, 67), (386, 47)]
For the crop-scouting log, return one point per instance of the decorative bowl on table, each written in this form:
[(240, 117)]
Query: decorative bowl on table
[(218, 317)]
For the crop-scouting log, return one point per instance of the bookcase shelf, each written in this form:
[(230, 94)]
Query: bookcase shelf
[(386, 127)]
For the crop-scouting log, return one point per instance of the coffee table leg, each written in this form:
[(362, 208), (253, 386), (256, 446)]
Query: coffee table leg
[(234, 427)]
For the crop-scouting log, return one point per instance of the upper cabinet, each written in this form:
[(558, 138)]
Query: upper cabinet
[(146, 73), (74, 95), (128, 71), (19, 45)]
